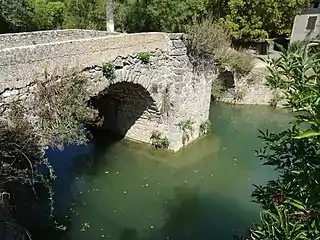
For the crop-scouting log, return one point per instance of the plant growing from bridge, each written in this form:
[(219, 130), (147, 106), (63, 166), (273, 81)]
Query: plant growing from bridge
[(109, 70), (211, 38), (205, 128), (187, 130), (61, 104), (159, 141), (144, 57)]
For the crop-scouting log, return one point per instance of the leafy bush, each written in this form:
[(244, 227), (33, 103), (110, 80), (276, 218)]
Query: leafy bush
[(187, 130), (144, 57), (256, 20), (294, 153), (217, 89), (62, 107), (46, 14), (158, 141), (205, 128), (108, 70), (207, 37), (287, 223), (210, 38), (21, 156), (239, 61), (156, 15)]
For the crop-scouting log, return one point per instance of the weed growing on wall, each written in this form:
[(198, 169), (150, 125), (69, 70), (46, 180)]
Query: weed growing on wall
[(187, 130), (158, 141), (144, 57), (109, 70), (205, 128), (61, 104), (217, 89)]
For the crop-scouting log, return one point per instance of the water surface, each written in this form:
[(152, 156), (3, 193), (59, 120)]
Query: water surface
[(125, 190)]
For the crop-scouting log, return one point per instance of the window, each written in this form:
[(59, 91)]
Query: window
[(311, 25)]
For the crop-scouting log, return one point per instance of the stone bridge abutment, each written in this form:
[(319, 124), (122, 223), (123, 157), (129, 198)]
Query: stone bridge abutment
[(159, 95)]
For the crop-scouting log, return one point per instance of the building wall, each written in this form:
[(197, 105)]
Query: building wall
[(300, 31)]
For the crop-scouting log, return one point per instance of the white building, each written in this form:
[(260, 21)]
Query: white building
[(306, 25)]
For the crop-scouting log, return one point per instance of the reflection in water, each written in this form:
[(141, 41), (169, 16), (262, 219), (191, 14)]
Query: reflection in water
[(124, 190)]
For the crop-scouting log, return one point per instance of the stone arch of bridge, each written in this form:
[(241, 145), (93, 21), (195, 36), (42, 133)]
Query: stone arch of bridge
[(126, 109)]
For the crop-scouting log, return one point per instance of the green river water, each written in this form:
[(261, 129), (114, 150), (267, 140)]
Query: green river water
[(125, 190)]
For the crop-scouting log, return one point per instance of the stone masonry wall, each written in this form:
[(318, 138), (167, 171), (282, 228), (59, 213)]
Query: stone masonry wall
[(11, 40), (250, 89), (163, 93)]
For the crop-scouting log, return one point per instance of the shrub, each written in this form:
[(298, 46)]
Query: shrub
[(205, 128), (210, 38), (187, 130), (158, 141), (206, 38), (239, 61), (61, 104), (21, 156), (144, 57), (217, 89), (292, 201), (109, 70)]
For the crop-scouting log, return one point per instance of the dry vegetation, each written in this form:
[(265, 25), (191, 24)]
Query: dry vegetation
[(209, 37)]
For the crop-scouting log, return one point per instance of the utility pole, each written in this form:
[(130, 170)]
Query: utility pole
[(109, 15)]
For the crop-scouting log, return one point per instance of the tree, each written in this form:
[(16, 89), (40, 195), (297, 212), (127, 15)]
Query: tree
[(14, 16), (157, 15), (45, 14), (256, 20), (88, 14)]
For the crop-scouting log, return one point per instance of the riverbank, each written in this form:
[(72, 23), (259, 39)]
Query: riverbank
[(250, 89)]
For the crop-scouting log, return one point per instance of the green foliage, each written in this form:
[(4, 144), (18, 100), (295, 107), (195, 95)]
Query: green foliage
[(205, 128), (238, 60), (187, 130), (21, 156), (87, 14), (14, 16), (144, 57), (108, 70), (158, 141), (28, 15), (210, 38), (207, 37), (61, 105), (294, 153), (286, 224), (46, 14), (256, 20), (156, 15), (217, 89)]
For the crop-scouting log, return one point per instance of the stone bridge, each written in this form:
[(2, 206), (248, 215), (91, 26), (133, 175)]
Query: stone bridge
[(159, 95)]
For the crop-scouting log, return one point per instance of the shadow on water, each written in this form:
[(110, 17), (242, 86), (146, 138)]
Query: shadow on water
[(190, 215), (69, 165)]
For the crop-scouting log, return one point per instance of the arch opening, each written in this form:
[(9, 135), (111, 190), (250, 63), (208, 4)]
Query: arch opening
[(126, 110)]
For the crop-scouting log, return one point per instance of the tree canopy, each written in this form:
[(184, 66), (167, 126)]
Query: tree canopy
[(252, 20)]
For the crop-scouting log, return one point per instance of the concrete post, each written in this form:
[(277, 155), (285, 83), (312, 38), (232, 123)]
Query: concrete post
[(109, 16)]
